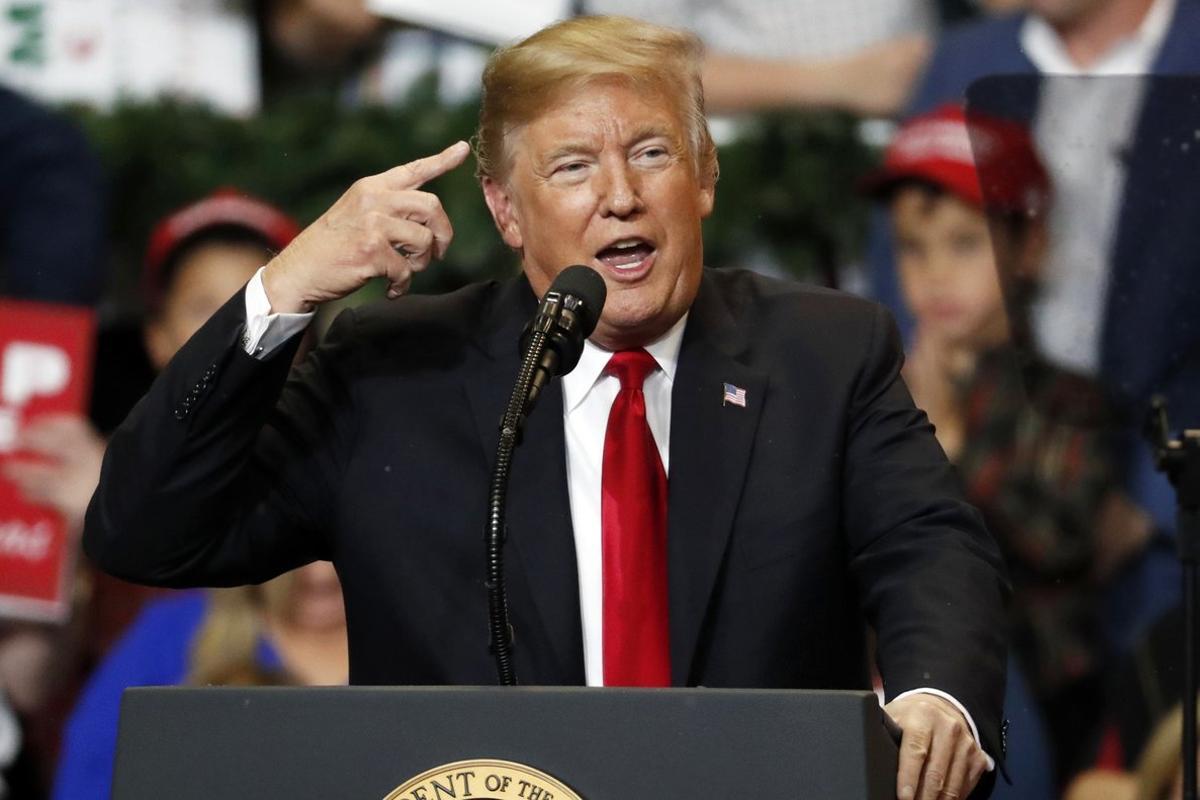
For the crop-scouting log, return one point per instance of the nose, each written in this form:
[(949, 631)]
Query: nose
[(621, 197), (942, 266)]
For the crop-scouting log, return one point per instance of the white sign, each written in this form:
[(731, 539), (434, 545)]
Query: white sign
[(101, 51), (31, 368), (491, 21), (27, 369)]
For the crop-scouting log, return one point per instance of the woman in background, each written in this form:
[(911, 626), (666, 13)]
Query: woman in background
[(288, 631)]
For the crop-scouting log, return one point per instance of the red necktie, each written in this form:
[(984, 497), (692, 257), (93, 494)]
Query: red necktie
[(633, 519)]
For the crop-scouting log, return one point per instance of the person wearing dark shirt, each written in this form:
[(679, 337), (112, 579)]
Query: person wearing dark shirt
[(52, 207)]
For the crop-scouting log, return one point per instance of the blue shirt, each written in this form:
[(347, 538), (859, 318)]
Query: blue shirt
[(153, 652)]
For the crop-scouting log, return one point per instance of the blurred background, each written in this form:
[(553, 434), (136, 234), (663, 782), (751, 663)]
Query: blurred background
[(1033, 234)]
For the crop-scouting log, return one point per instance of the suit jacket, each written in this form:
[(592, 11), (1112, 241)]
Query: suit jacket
[(825, 500)]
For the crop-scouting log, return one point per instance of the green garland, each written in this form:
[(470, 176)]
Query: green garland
[(785, 196)]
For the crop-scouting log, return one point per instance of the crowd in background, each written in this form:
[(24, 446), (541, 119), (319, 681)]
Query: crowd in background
[(1035, 244)]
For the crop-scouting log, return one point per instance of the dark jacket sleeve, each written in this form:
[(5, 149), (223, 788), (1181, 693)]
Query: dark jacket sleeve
[(222, 475), (931, 577)]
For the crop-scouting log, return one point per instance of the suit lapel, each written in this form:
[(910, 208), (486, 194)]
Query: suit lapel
[(711, 442), (544, 586)]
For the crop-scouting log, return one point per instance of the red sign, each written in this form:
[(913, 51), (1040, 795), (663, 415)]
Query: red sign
[(45, 368)]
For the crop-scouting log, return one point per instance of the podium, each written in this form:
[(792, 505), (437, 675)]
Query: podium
[(594, 744)]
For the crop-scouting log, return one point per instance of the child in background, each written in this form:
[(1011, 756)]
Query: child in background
[(197, 258), (968, 200), (292, 630)]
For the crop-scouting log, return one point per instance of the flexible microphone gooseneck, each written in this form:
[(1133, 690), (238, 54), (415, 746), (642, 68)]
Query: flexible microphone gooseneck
[(551, 345)]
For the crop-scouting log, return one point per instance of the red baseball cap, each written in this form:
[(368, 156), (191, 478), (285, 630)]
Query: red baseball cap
[(226, 206), (990, 163)]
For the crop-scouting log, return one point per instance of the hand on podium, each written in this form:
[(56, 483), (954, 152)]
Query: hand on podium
[(939, 757)]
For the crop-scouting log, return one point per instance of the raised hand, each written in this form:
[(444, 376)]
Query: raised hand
[(67, 467), (383, 226)]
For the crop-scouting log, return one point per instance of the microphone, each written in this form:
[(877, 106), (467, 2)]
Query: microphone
[(550, 345), (566, 316)]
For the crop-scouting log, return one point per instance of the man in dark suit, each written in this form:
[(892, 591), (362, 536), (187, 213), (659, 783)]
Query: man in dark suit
[(805, 490)]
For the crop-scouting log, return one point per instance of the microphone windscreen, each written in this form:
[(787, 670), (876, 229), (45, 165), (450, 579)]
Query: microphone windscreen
[(585, 284)]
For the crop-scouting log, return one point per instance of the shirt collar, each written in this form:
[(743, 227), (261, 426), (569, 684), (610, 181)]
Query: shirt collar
[(1133, 54), (577, 383)]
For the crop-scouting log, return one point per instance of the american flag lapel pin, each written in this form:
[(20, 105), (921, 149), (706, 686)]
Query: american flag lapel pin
[(734, 395)]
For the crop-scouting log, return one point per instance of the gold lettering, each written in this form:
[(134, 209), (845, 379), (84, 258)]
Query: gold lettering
[(466, 781), (479, 780)]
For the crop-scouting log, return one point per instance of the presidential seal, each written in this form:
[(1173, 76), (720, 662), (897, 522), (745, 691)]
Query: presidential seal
[(483, 779)]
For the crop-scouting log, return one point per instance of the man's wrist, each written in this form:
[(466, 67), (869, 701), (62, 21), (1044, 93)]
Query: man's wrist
[(265, 331), (281, 293)]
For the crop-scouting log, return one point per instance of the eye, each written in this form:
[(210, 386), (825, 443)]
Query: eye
[(655, 153), (570, 171)]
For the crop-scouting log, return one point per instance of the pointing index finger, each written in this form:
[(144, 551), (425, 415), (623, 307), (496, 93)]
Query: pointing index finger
[(414, 174)]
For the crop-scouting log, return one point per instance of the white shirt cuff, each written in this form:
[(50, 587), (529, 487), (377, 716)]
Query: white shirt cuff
[(264, 331), (991, 762)]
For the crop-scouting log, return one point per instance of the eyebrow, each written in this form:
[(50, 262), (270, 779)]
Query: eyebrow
[(648, 130), (640, 134), (568, 149)]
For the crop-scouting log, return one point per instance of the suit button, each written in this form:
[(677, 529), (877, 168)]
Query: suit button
[(180, 413)]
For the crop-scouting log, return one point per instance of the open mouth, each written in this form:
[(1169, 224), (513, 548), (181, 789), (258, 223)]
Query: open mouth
[(627, 256)]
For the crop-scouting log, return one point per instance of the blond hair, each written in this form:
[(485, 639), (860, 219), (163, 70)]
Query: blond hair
[(524, 80), (225, 649), (1162, 757)]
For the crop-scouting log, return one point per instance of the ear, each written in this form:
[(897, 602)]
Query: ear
[(504, 213), (158, 343), (707, 195), (708, 190)]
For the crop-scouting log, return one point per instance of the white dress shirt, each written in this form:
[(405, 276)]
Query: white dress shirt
[(588, 395), (265, 331), (1083, 128)]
